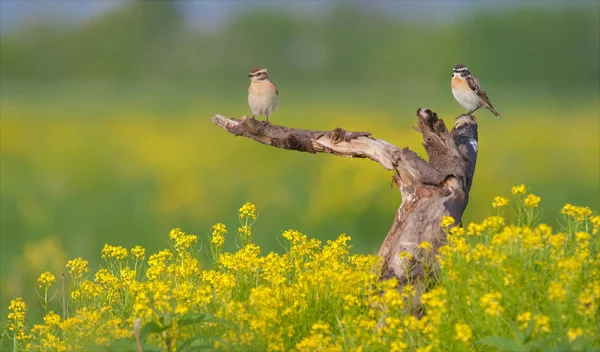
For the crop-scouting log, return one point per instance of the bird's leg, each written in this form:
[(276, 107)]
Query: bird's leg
[(267, 118), (472, 111)]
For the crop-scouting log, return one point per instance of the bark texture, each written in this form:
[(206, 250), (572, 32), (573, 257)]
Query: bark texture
[(430, 189)]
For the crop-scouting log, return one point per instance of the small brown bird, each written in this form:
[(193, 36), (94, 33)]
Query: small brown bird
[(468, 92), (262, 93)]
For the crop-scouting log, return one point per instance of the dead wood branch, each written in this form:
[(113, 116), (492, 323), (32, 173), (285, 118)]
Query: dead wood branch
[(430, 189)]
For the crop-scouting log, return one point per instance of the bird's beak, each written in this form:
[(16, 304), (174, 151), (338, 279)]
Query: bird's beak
[(249, 75)]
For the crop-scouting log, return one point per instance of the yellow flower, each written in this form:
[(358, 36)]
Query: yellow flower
[(248, 210), (77, 267), (556, 291), (463, 332), (532, 201), (404, 255), (181, 241), (447, 221), (577, 213), (219, 229), (218, 239), (520, 189), (586, 304), (46, 279), (582, 236), (490, 302), (138, 252), (524, 318), (52, 319), (117, 252), (595, 220), (542, 323), (426, 246), (574, 333), (499, 202), (16, 318), (245, 231)]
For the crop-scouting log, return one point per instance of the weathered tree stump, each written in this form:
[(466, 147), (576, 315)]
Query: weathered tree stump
[(430, 189)]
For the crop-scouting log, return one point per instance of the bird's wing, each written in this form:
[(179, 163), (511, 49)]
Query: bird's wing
[(476, 86)]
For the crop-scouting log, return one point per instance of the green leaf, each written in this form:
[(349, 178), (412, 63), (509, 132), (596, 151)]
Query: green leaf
[(151, 328), (197, 343), (201, 343), (502, 343), (528, 331), (197, 318)]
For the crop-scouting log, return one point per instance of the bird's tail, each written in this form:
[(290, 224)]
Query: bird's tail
[(491, 108)]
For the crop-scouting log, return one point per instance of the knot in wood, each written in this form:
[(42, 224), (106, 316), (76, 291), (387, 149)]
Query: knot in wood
[(338, 135), (292, 142)]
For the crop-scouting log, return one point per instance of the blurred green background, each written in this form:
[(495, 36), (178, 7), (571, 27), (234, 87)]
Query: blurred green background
[(106, 105)]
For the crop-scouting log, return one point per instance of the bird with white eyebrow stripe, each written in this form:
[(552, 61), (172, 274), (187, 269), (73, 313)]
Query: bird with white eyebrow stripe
[(262, 93), (468, 92)]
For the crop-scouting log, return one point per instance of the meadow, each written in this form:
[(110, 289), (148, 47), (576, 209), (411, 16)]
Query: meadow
[(506, 283), (93, 164)]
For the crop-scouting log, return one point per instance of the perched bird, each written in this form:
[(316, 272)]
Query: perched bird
[(262, 93), (468, 92)]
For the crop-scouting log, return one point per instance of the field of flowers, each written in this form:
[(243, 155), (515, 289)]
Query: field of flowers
[(506, 283)]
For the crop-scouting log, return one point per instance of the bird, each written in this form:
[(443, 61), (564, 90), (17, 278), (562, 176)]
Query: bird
[(263, 96), (469, 92)]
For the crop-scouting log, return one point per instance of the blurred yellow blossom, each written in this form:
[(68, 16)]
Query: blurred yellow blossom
[(577, 213), (490, 301), (556, 291), (595, 220), (524, 319), (426, 246), (463, 332), (532, 201), (542, 323), (446, 221), (516, 190), (499, 202), (572, 334), (404, 255)]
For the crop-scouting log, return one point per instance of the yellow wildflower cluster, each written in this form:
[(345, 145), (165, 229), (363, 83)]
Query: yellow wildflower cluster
[(532, 201), (577, 213), (16, 319), (317, 296), (518, 190), (499, 202), (77, 267), (248, 210), (116, 252), (491, 303), (46, 279), (447, 221), (218, 238), (138, 252), (463, 332)]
